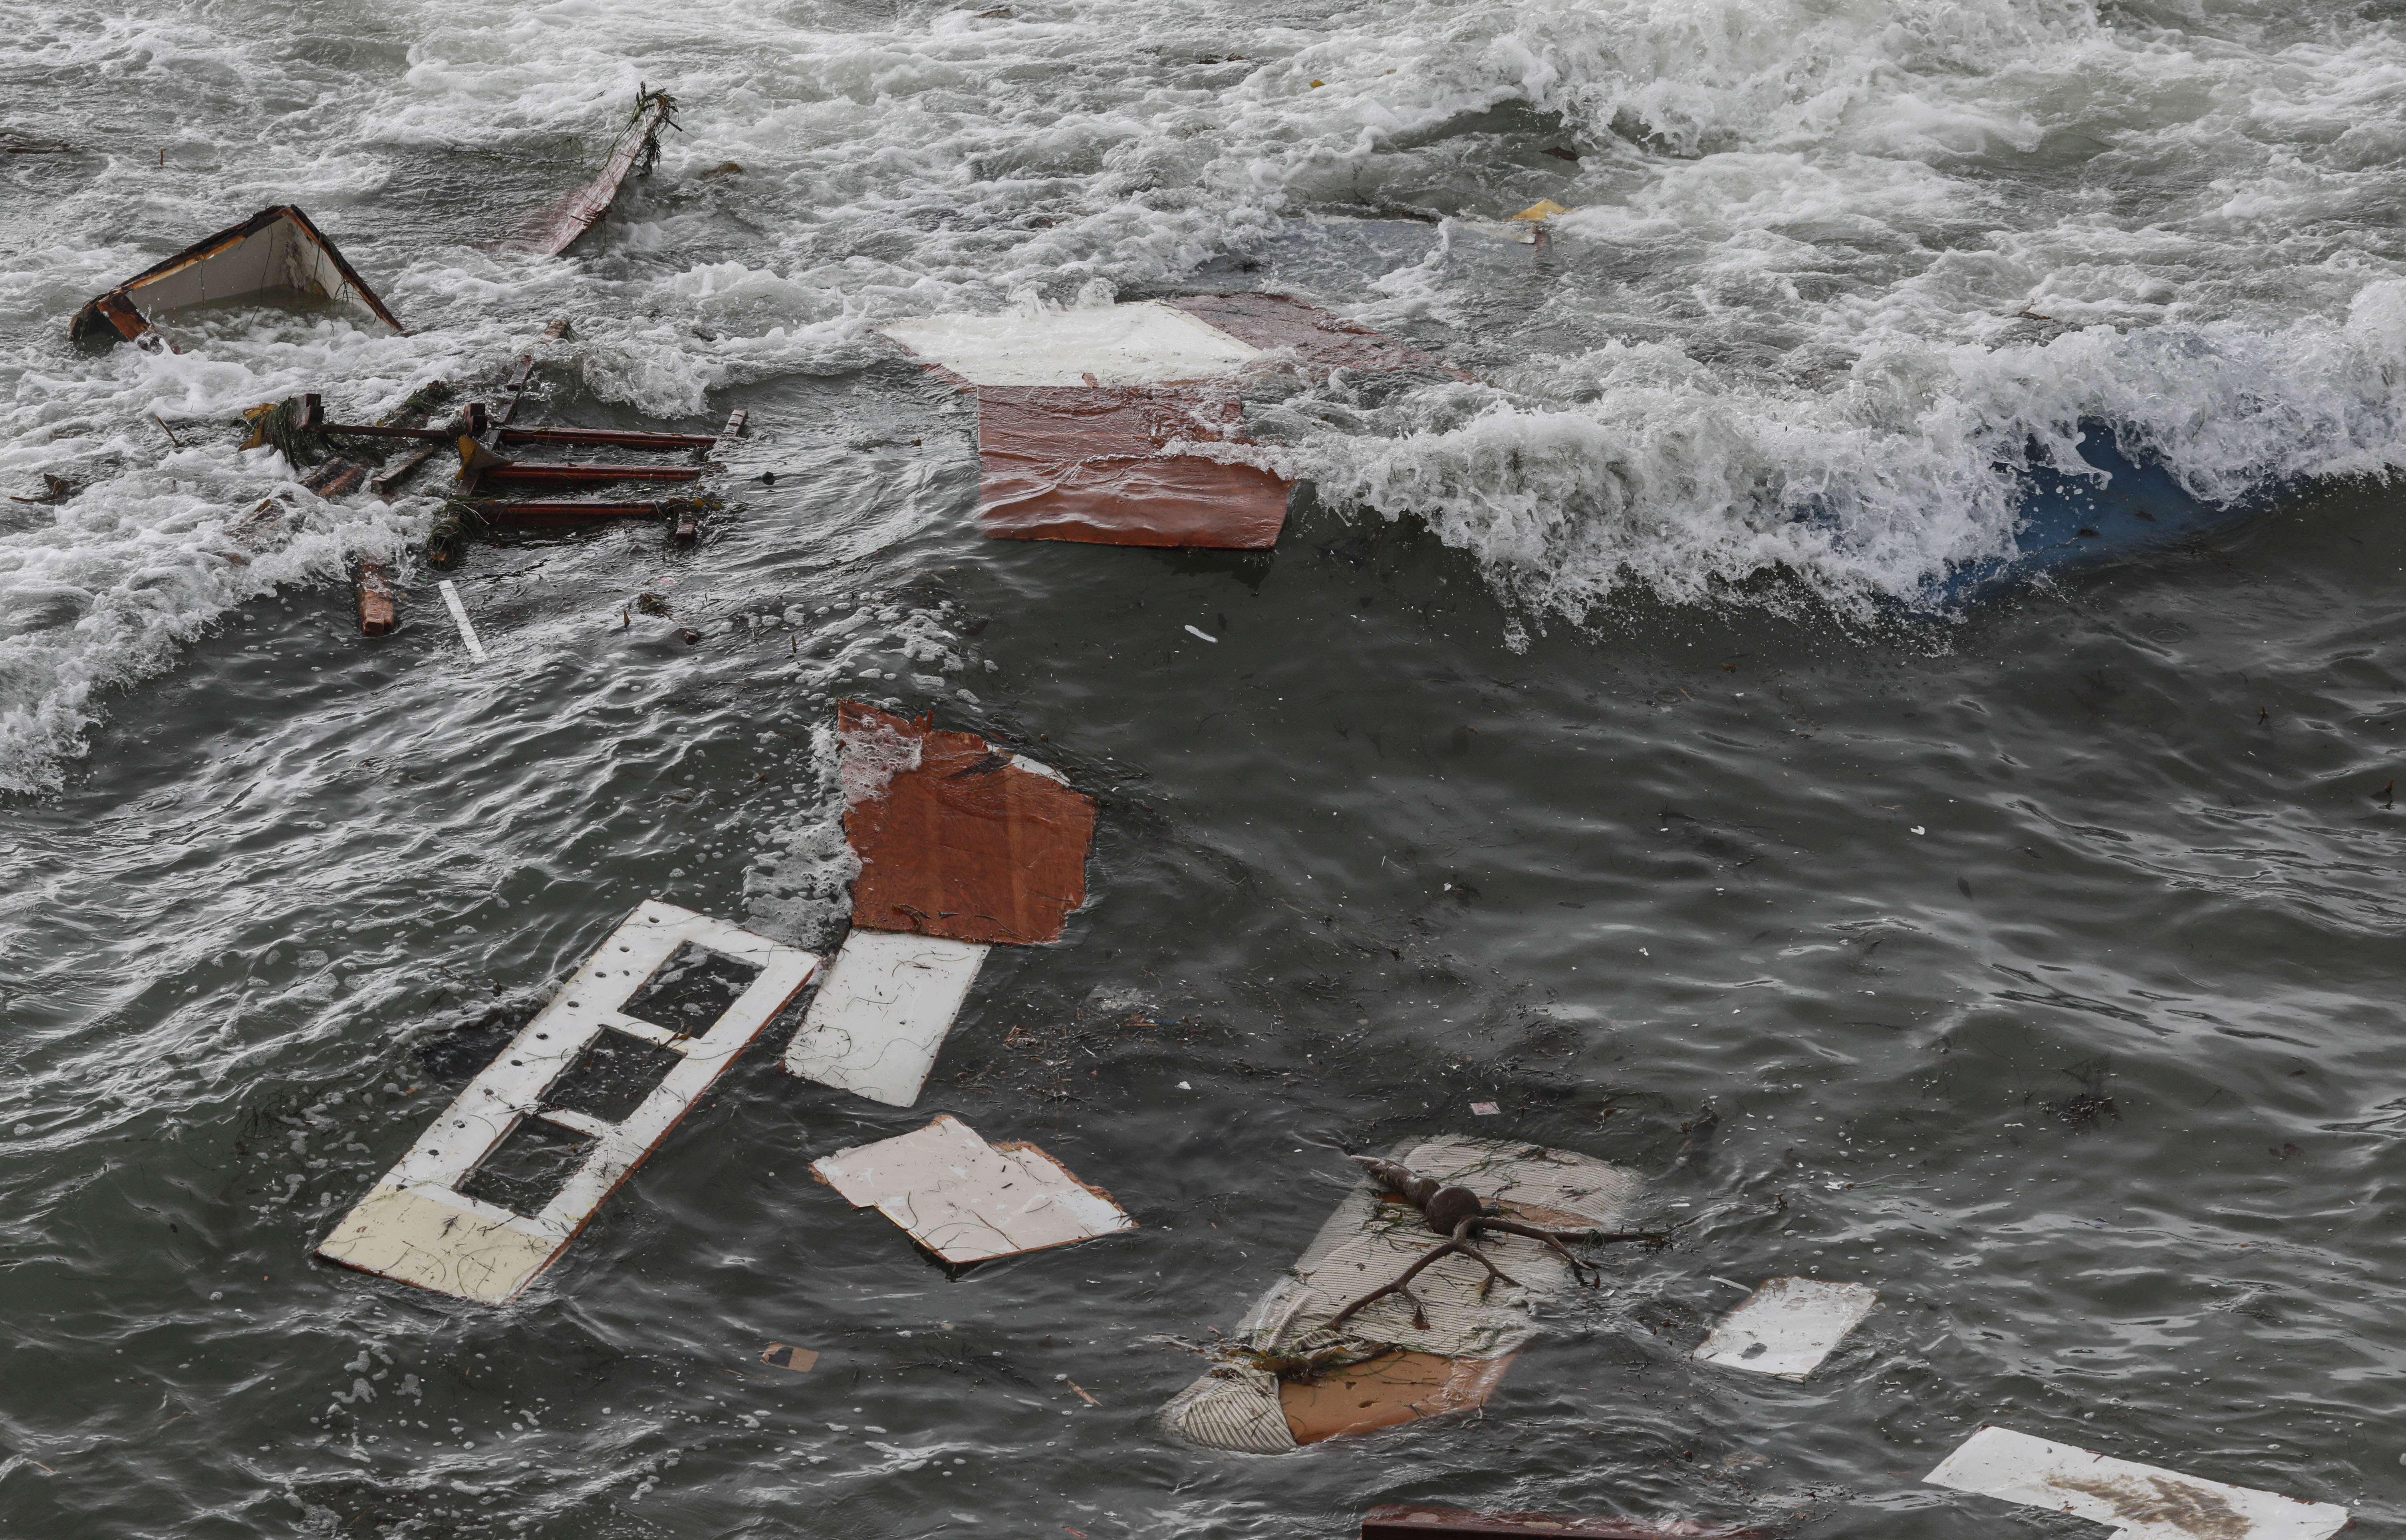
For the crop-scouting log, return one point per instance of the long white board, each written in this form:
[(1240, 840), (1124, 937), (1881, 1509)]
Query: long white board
[(2140, 1502)]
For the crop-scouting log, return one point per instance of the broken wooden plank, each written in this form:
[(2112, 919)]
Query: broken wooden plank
[(1286, 1379), (633, 153), (1416, 1522), (380, 612), (968, 1201), (469, 422), (275, 250), (2140, 1502), (882, 1013), (1787, 1326), (955, 838), (417, 1226), (459, 617), (1090, 465), (735, 421)]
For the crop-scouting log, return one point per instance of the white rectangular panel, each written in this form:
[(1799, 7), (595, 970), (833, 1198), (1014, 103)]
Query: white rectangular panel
[(1787, 1326), (881, 1013), (2140, 1502), (416, 1226), (967, 1200), (1143, 343)]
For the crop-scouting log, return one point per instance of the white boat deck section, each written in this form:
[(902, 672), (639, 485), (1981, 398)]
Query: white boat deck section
[(2140, 1502), (1787, 1326), (1147, 343), (416, 1226), (967, 1200), (882, 1012)]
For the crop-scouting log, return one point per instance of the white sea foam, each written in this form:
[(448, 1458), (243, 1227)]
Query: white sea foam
[(1783, 329)]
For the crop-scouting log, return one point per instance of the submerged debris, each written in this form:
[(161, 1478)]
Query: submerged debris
[(633, 153), (276, 250)]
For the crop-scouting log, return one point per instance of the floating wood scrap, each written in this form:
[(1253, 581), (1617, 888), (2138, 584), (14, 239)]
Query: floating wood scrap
[(2139, 1502), (1787, 1326), (1286, 1378), (333, 459), (966, 1200), (1414, 1521), (633, 153), (962, 846), (551, 1093), (275, 250), (1078, 411)]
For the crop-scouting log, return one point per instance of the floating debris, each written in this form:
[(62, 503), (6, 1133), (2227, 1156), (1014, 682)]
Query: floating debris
[(2140, 1502), (1787, 1326), (633, 153), (275, 251), (784, 1355), (1292, 1375), (882, 1012), (379, 612), (968, 1201), (459, 617), (558, 1121), (1412, 1521)]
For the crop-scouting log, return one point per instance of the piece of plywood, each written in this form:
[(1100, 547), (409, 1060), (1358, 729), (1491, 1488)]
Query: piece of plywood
[(275, 250), (416, 1226), (2140, 1502), (1143, 343), (969, 1201), (1787, 1326), (956, 838), (882, 1013), (1091, 464), (1257, 1401)]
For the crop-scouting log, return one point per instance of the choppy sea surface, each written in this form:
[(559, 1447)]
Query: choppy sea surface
[(1604, 740)]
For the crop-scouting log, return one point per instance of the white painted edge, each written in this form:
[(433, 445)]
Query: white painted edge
[(1145, 342), (881, 1013), (459, 617), (2140, 1502), (416, 1226), (966, 1200), (1787, 1326)]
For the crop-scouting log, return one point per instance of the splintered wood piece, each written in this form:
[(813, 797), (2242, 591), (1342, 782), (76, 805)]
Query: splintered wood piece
[(417, 1226), (882, 1013), (1088, 465), (735, 421), (955, 838), (1787, 1326), (636, 147), (378, 611), (2140, 1502), (966, 1200)]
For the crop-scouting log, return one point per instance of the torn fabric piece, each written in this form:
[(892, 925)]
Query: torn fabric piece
[(966, 1200), (1087, 465), (968, 843), (1401, 1370), (276, 250)]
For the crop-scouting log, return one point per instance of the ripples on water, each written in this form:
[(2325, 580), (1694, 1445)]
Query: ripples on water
[(1615, 773)]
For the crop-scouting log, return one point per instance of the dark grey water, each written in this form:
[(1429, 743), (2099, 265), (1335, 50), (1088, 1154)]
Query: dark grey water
[(2042, 961)]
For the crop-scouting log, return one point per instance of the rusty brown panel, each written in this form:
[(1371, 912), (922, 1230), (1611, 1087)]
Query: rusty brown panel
[(1323, 340), (1082, 463), (966, 845), (378, 611), (1416, 1521), (1390, 1389)]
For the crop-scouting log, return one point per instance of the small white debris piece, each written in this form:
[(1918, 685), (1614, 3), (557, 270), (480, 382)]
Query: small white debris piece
[(1205, 635), (882, 1012), (1143, 343), (967, 1200), (1787, 1326), (459, 617), (1484, 1109), (417, 1227), (2140, 1502)]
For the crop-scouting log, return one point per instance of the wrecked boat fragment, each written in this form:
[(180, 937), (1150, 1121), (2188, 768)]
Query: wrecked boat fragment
[(581, 1095), (633, 153), (961, 846), (2139, 1502), (966, 1200), (276, 250), (1288, 1377)]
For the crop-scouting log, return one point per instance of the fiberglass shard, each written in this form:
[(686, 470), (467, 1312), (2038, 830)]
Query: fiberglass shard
[(1286, 1381), (961, 847), (276, 250), (635, 1075), (966, 1200), (2140, 1502), (1787, 1326)]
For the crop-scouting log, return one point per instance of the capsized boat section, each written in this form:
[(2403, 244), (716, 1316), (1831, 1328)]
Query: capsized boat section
[(276, 250)]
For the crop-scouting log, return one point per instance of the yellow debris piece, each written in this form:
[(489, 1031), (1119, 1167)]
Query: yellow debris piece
[(1544, 208)]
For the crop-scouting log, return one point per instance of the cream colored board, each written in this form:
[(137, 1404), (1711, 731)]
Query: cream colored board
[(881, 1013), (967, 1200), (2139, 1502), (1787, 1326)]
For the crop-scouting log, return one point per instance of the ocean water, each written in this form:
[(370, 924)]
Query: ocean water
[(1610, 735)]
